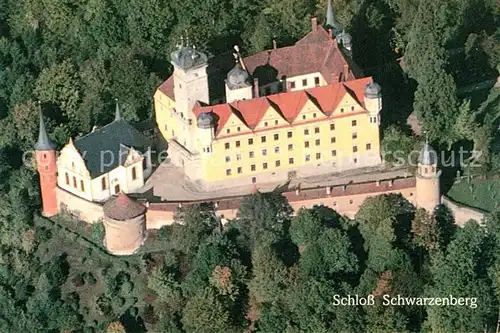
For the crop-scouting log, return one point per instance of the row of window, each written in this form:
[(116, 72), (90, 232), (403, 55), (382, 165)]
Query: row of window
[(266, 124), (74, 184), (304, 82), (104, 183), (276, 137), (251, 154)]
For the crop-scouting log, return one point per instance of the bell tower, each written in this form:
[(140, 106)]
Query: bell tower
[(45, 152), (428, 194)]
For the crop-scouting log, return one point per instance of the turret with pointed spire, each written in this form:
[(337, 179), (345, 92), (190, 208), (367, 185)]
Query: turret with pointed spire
[(427, 187), (45, 152), (331, 22), (43, 142), (118, 115)]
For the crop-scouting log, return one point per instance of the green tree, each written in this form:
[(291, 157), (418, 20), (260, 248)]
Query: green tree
[(204, 313)]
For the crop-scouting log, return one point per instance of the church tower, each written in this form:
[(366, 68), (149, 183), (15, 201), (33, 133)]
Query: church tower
[(427, 177), (45, 152)]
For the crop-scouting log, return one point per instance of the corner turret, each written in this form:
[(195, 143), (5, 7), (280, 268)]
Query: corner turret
[(373, 101), (428, 190), (206, 129)]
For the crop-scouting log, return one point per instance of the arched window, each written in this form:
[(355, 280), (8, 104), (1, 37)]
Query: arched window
[(74, 182), (67, 178), (134, 173), (82, 186)]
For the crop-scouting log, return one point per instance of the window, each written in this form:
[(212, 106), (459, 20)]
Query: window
[(278, 163), (306, 132), (228, 131), (290, 160), (67, 178), (308, 158), (250, 141), (238, 129), (292, 84), (166, 127), (317, 142), (238, 144), (252, 167), (352, 108), (276, 137), (226, 145), (263, 139), (368, 146), (355, 149), (304, 82), (238, 157), (82, 185), (228, 172), (351, 202), (254, 180), (334, 153), (240, 170), (290, 147), (277, 150), (265, 124), (354, 123), (228, 159), (304, 117), (354, 136), (276, 122), (316, 81), (145, 161), (306, 144), (341, 110), (264, 152), (333, 140), (289, 134), (134, 173), (332, 127), (264, 166), (355, 160), (74, 182), (251, 154), (316, 130), (314, 115), (104, 184), (117, 188), (318, 156)]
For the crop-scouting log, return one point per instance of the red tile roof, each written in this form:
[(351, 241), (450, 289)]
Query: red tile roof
[(288, 104), (123, 208), (167, 87)]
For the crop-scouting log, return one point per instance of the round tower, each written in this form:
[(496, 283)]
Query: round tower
[(206, 131), (45, 153), (428, 194), (124, 224), (373, 101)]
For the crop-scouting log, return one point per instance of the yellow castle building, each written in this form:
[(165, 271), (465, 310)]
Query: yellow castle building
[(288, 112)]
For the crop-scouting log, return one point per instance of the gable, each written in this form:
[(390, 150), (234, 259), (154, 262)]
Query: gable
[(271, 118), (310, 111), (347, 103), (70, 158), (233, 124)]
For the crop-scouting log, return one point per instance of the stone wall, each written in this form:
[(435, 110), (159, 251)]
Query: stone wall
[(463, 213), (85, 210)]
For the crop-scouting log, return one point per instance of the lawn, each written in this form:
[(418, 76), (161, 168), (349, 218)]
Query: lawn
[(482, 194)]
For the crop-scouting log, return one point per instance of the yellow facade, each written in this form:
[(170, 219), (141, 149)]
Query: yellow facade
[(347, 136)]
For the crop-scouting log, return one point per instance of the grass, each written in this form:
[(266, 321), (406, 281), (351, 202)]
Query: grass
[(481, 194)]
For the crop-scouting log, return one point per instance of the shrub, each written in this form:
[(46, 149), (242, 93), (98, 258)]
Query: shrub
[(78, 280), (89, 278), (127, 288)]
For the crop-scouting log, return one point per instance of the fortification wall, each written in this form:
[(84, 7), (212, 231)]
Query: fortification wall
[(462, 213), (85, 210), (124, 237)]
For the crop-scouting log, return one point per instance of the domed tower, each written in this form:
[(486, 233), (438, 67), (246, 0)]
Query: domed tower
[(206, 131), (125, 225), (428, 194), (373, 101), (239, 86), (45, 152)]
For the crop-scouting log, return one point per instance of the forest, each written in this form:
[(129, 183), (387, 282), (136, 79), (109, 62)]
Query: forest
[(266, 271)]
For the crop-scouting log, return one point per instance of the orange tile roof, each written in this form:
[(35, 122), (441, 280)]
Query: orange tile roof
[(289, 104)]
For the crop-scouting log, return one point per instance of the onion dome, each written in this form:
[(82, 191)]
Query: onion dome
[(43, 142), (187, 57), (122, 208), (205, 120), (428, 155), (238, 78), (373, 90)]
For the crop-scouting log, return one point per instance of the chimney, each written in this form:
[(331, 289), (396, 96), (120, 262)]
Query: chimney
[(255, 88), (346, 71), (335, 78), (275, 45), (314, 23)]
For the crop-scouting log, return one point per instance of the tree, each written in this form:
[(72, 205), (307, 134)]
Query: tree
[(397, 146), (116, 327), (204, 313)]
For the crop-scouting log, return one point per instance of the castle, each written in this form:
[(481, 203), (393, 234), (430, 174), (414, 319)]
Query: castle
[(287, 113)]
